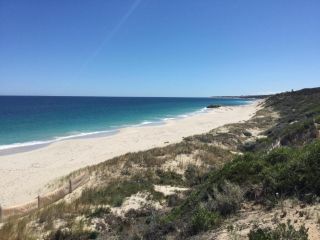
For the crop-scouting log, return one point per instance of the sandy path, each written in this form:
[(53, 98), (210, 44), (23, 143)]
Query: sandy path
[(22, 175)]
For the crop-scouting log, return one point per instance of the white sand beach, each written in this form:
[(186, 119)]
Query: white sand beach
[(24, 175)]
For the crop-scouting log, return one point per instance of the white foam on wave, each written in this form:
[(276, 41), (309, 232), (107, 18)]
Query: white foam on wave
[(202, 110), (25, 144), (56, 139), (168, 118), (145, 123)]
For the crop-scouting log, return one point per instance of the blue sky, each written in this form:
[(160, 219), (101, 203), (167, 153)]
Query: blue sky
[(158, 47)]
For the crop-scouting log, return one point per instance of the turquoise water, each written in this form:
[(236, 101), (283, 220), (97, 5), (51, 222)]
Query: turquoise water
[(26, 121)]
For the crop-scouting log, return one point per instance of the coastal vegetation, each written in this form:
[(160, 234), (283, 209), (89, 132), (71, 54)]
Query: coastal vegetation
[(201, 186), (282, 231)]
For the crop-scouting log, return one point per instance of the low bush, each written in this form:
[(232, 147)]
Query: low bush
[(298, 133), (247, 133), (249, 146), (281, 232), (193, 175), (205, 138), (203, 220), (168, 178), (70, 235), (226, 199), (287, 171)]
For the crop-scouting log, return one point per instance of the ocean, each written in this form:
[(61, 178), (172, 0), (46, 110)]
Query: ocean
[(33, 120)]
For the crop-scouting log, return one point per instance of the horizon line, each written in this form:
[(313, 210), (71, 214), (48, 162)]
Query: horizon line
[(115, 96)]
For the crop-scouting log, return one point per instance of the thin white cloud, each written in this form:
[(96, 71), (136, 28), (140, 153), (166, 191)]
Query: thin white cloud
[(112, 33)]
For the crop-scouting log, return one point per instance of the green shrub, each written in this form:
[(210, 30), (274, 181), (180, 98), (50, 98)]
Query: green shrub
[(203, 220), (299, 107), (205, 138), (242, 170), (247, 133), (193, 175), (70, 235), (298, 133), (263, 143), (281, 232), (286, 171), (226, 199), (310, 164), (168, 178), (279, 155), (249, 146)]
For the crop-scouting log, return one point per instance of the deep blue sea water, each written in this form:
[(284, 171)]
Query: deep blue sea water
[(27, 121)]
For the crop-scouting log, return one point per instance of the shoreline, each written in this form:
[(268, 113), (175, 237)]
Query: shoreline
[(18, 147), (34, 169), (21, 147)]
